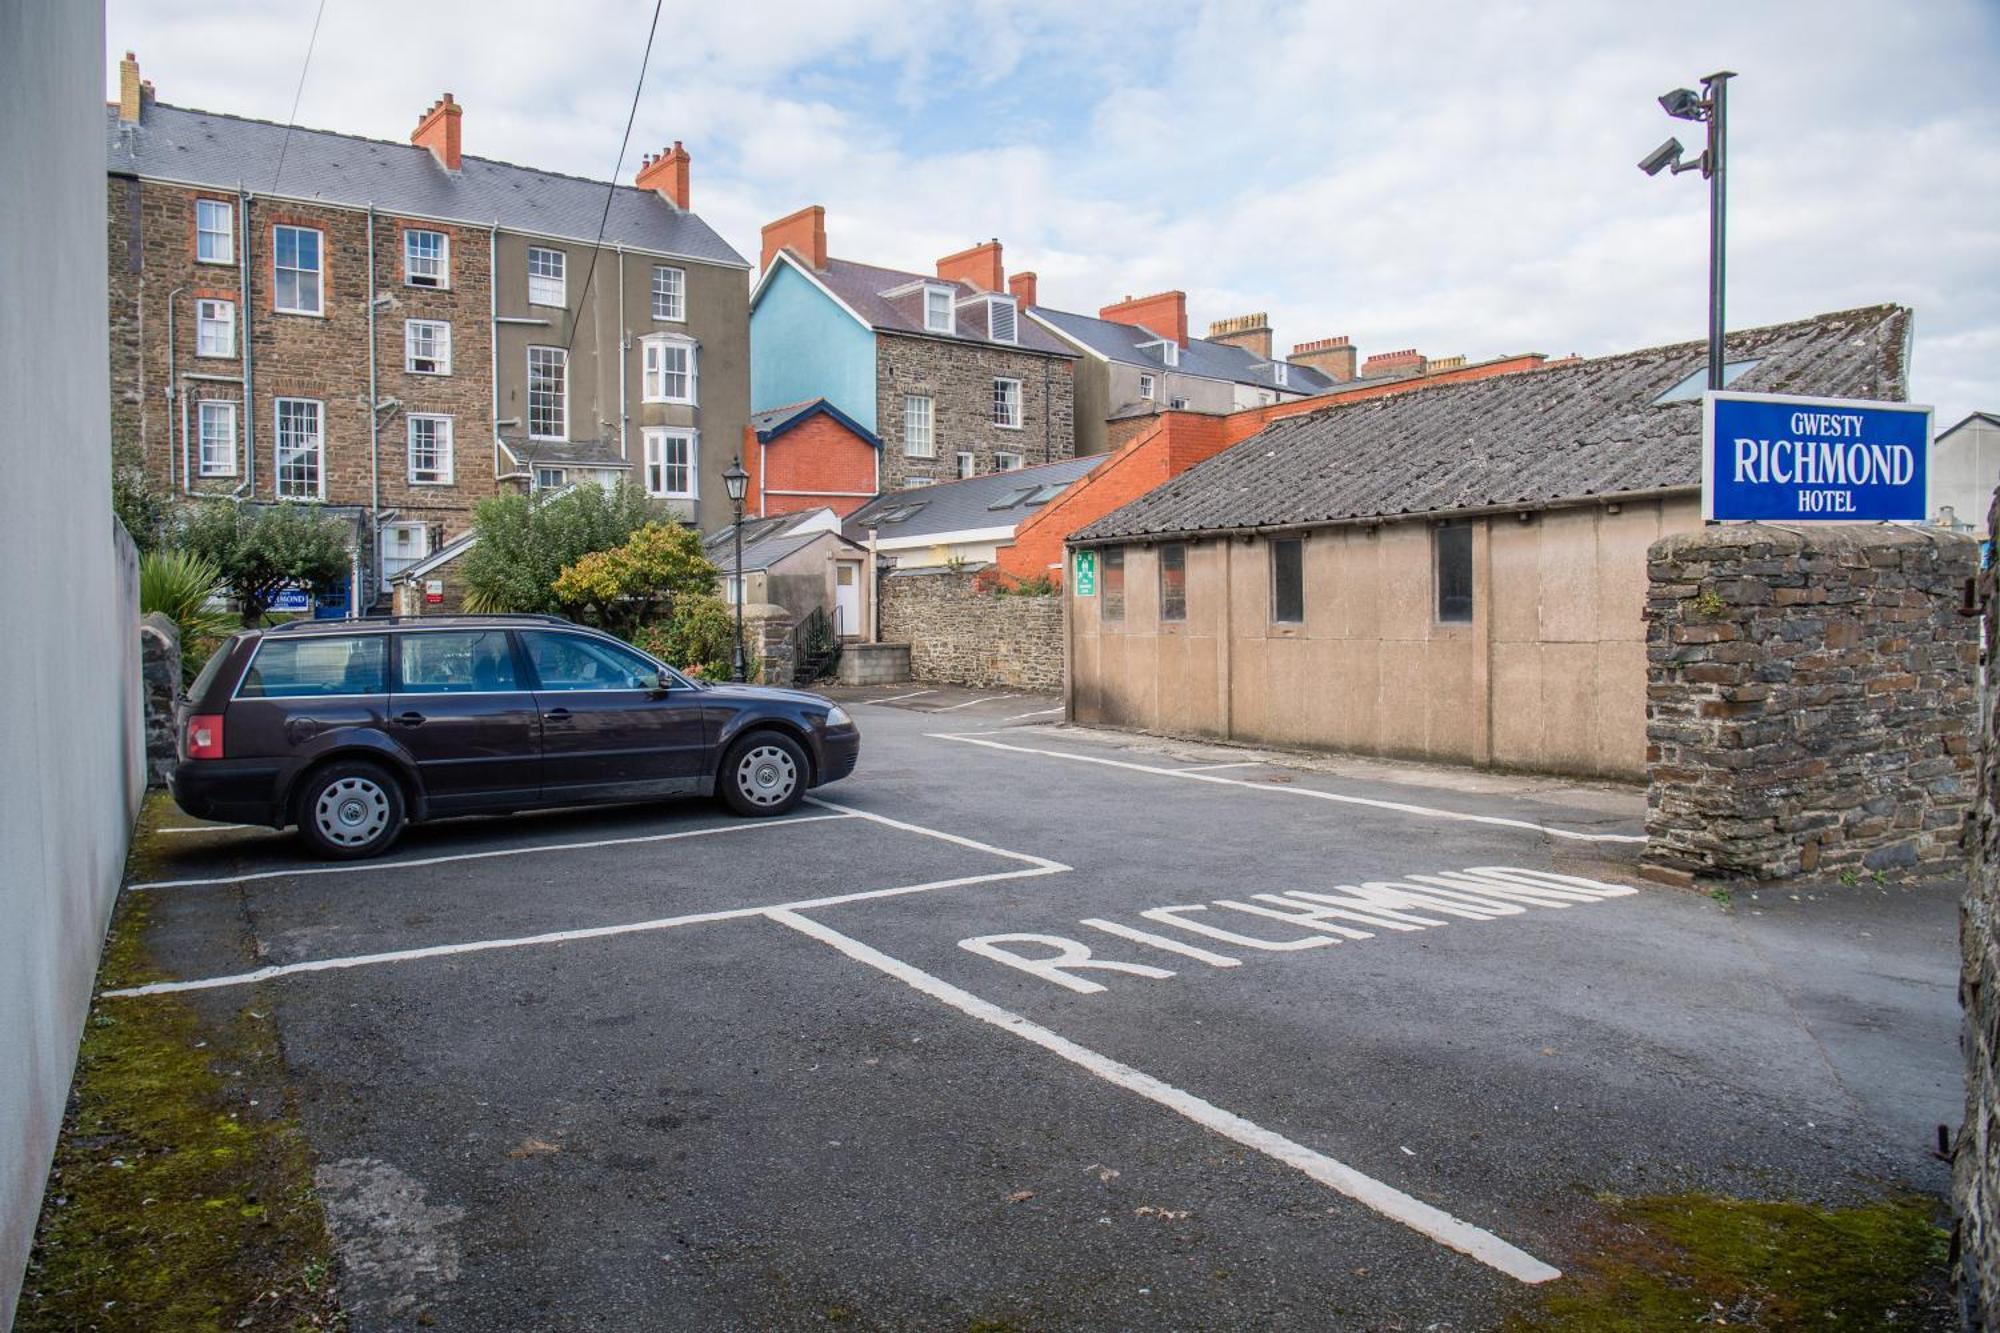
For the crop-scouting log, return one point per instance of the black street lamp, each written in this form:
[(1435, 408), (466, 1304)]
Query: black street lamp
[(1686, 104), (737, 482)]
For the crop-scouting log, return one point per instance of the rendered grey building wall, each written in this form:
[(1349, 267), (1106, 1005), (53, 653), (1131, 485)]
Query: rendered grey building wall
[(72, 737)]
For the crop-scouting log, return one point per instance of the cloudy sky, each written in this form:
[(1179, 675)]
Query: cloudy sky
[(1456, 177)]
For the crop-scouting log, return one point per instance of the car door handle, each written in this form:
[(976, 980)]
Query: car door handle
[(556, 715), (410, 719)]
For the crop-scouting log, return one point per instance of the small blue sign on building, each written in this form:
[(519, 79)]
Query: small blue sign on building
[(1774, 458)]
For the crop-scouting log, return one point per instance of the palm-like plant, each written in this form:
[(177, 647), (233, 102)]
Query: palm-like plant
[(180, 585)]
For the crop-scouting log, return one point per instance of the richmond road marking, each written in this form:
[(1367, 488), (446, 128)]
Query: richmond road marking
[(1402, 807), (1374, 1194)]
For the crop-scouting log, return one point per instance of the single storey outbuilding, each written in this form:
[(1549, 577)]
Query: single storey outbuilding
[(1457, 573)]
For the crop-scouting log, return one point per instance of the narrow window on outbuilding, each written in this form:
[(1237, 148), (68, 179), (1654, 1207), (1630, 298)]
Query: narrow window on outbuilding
[(1114, 583), (1453, 543), (1288, 582), (1173, 582)]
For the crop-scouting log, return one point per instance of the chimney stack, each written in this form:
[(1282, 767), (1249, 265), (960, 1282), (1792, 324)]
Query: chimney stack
[(978, 266), (1394, 365), (1165, 313), (1250, 332), (1022, 285), (803, 233), (437, 130), (1331, 357), (132, 93), (666, 175)]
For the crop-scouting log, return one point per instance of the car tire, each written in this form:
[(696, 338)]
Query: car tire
[(350, 809), (764, 774)]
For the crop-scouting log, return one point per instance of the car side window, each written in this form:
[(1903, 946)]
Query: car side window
[(572, 662), (455, 662), (317, 667)]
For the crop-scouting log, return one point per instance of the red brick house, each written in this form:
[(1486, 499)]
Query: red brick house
[(809, 455)]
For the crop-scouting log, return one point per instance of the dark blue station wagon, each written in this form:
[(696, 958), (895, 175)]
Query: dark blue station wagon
[(351, 729)]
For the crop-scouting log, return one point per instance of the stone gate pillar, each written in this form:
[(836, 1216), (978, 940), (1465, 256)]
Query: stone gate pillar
[(1811, 700)]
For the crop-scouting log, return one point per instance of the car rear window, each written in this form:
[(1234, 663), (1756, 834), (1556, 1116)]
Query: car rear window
[(206, 680), (307, 667)]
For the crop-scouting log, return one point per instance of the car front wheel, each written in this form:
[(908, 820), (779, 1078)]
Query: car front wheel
[(764, 774), (350, 810)]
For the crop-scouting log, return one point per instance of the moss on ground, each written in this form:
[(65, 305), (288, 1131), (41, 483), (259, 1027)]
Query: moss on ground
[(1696, 1261), (181, 1196)]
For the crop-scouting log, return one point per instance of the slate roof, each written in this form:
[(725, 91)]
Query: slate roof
[(957, 506), (773, 422), (1567, 432), (861, 287), (204, 148), (564, 453), (766, 541), (1211, 360)]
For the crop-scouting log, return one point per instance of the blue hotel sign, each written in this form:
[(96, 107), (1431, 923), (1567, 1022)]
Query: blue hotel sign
[(1780, 459)]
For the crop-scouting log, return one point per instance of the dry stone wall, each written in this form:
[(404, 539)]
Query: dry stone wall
[(1976, 1162), (959, 634), (1811, 703)]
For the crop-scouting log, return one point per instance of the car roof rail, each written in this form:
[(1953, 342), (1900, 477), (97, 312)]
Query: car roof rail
[(334, 622)]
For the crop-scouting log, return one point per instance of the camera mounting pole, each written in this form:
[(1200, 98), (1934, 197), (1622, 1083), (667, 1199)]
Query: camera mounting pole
[(1714, 164)]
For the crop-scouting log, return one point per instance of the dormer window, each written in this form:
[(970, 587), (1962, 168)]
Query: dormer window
[(939, 316), (1000, 320), (1170, 351), (1279, 371)]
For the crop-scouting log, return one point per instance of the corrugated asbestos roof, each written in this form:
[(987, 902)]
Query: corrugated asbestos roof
[(1528, 439), (959, 506), (861, 287), (204, 148), (1211, 360)]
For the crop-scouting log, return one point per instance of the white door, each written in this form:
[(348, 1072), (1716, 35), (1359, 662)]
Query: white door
[(847, 599)]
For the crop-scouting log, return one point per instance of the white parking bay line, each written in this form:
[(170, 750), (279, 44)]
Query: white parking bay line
[(894, 698), (1041, 712), (361, 867), (1402, 807), (1036, 866), (1210, 768), (564, 936), (1371, 1193), (984, 699), (202, 828)]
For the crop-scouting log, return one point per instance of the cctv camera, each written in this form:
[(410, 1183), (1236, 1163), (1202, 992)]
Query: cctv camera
[(1666, 155), (1683, 104)]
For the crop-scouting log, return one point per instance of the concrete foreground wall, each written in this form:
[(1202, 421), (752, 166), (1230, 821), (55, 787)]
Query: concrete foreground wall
[(72, 735), (1811, 700), (959, 634), (1548, 675), (1976, 1161)]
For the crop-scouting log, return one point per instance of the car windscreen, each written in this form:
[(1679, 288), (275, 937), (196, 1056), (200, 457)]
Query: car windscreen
[(316, 667)]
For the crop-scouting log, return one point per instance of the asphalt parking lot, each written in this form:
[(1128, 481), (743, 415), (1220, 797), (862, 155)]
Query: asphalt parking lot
[(1026, 1027)]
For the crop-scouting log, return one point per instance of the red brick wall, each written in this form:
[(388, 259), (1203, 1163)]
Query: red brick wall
[(821, 457), (1177, 442)]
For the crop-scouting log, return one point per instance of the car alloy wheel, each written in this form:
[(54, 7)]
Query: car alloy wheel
[(766, 776), (352, 812)]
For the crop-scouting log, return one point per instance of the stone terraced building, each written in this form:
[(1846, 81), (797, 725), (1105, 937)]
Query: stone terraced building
[(267, 285)]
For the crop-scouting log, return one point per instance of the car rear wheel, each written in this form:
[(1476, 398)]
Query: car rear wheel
[(764, 774), (350, 810)]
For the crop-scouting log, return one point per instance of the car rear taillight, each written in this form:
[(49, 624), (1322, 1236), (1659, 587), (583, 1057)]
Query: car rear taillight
[(204, 739)]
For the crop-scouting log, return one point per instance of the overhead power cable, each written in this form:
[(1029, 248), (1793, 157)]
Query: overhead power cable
[(286, 143)]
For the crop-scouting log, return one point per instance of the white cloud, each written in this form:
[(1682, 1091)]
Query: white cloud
[(1457, 177)]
